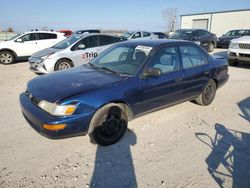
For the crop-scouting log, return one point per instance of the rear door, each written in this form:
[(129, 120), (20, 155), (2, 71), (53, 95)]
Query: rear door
[(166, 89), (205, 38), (46, 40), (196, 70), (82, 55)]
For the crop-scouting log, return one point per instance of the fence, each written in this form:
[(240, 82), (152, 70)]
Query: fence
[(6, 35)]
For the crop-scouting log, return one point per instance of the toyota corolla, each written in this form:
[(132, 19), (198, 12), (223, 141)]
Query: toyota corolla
[(125, 81)]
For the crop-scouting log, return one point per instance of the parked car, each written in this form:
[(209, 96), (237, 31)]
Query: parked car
[(71, 52), (239, 51), (79, 32), (200, 36), (67, 33), (225, 39), (24, 45), (139, 35), (161, 35), (126, 80)]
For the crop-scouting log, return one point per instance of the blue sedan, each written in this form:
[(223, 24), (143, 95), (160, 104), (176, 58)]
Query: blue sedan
[(125, 81)]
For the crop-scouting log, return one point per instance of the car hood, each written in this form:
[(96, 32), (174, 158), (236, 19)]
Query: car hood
[(228, 38), (245, 39), (45, 52), (57, 86)]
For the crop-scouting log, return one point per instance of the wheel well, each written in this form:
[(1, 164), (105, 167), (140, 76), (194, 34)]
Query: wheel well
[(216, 81), (9, 50), (62, 59), (125, 106)]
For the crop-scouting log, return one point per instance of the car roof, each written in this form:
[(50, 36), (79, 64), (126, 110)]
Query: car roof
[(153, 42), (83, 35), (53, 32)]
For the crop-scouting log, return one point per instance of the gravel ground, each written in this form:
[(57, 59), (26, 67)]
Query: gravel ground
[(186, 145)]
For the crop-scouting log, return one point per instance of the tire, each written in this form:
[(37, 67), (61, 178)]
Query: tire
[(208, 94), (63, 64), (108, 125), (6, 57), (232, 62), (211, 47)]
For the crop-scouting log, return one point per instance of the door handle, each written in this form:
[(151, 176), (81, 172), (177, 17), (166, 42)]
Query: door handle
[(178, 79), (206, 72)]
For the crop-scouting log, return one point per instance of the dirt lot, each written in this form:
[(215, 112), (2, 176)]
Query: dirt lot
[(186, 145)]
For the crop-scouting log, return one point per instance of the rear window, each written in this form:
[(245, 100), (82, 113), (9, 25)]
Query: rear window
[(44, 36)]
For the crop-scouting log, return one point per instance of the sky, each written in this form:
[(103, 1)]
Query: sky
[(23, 15)]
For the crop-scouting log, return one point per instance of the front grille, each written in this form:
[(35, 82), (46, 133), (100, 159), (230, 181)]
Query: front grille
[(244, 46), (244, 55)]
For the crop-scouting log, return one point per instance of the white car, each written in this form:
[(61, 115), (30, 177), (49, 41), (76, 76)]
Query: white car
[(239, 51), (73, 51), (139, 35), (24, 45)]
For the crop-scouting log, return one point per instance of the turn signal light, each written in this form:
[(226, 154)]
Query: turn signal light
[(54, 127)]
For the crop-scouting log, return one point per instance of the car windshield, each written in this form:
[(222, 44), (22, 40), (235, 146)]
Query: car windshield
[(66, 42), (122, 60), (180, 34), (13, 37), (235, 33), (127, 35)]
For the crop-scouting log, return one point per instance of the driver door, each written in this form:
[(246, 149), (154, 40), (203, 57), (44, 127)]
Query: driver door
[(166, 89), (27, 44), (85, 50)]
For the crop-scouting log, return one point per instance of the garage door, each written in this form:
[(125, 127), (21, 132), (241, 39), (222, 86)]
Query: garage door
[(200, 24)]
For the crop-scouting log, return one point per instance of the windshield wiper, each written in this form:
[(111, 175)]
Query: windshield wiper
[(94, 66), (110, 70)]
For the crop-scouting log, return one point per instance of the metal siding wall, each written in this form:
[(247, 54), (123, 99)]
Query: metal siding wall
[(200, 24), (223, 22), (187, 21)]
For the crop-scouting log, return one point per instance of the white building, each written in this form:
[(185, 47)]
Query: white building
[(217, 22)]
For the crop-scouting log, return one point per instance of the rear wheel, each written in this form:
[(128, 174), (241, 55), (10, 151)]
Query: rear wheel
[(108, 125), (208, 94), (63, 64), (6, 57), (211, 47), (233, 62)]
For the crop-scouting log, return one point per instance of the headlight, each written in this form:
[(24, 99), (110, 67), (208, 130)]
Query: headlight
[(234, 45), (57, 110)]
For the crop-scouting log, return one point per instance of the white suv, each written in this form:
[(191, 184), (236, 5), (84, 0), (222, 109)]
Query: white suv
[(24, 45), (139, 35), (239, 51)]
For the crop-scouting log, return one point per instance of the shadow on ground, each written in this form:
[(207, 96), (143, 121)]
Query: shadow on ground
[(229, 157), (114, 164), (245, 108)]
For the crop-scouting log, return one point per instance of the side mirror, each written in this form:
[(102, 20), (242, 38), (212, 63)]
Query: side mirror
[(19, 40), (152, 72), (81, 47), (223, 35)]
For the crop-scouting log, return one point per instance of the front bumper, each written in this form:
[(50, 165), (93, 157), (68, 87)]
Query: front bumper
[(239, 55), (37, 65), (223, 43), (75, 125)]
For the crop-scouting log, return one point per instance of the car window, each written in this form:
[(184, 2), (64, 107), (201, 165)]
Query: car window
[(205, 33), (81, 42), (92, 41), (146, 34), (29, 37), (105, 40), (192, 56), (166, 59), (247, 33), (44, 36), (137, 35), (196, 34)]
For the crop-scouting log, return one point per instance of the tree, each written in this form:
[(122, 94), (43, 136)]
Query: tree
[(10, 29), (169, 16)]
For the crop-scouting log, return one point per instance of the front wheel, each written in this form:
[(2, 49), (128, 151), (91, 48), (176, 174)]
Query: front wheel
[(211, 47), (63, 64), (108, 125), (233, 62), (208, 94), (6, 57)]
